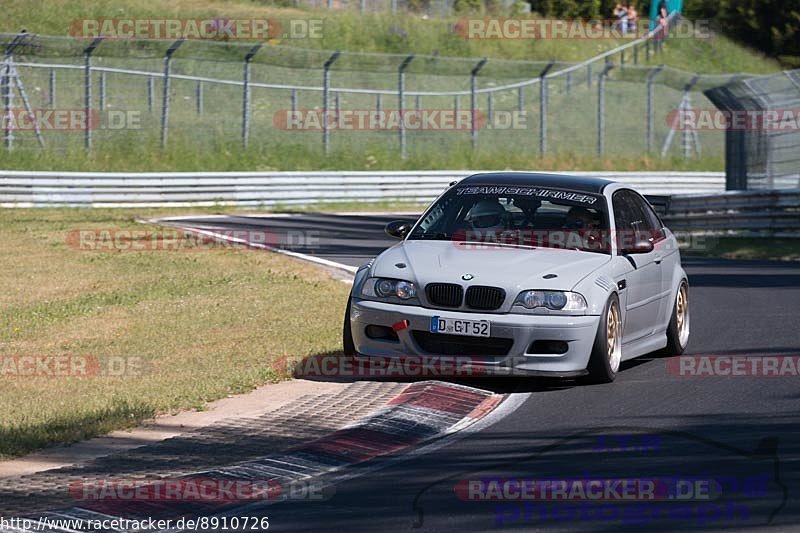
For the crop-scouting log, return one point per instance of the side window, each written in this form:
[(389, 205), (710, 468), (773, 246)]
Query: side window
[(627, 214), (630, 216), (651, 220)]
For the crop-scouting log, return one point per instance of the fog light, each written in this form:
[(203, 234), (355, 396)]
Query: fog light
[(381, 333), (548, 347)]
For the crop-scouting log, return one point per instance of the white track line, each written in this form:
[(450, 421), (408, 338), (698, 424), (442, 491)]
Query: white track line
[(305, 257), (291, 215)]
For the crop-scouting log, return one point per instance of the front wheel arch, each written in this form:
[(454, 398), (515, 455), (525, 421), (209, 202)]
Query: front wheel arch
[(606, 355)]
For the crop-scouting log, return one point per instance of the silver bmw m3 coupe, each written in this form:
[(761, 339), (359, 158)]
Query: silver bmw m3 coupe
[(525, 274)]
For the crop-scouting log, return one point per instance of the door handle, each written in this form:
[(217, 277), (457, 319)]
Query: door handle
[(658, 259)]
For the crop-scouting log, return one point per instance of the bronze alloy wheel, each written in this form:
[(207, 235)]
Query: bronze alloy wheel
[(682, 314), (613, 337)]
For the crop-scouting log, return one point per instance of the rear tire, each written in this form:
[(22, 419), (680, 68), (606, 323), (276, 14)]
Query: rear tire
[(348, 346), (678, 329), (607, 349)]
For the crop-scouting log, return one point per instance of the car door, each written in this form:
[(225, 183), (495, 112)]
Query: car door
[(643, 280), (667, 248)]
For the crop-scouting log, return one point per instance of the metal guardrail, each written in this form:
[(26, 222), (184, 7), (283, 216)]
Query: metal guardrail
[(254, 189), (707, 209), (774, 213)]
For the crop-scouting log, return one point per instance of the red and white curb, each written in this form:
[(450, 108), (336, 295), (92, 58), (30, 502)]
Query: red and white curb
[(424, 416)]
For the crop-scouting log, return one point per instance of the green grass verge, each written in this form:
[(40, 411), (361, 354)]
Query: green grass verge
[(201, 324), (180, 156)]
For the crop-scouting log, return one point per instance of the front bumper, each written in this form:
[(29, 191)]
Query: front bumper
[(520, 331)]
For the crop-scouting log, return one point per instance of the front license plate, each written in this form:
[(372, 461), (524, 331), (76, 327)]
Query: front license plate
[(457, 326)]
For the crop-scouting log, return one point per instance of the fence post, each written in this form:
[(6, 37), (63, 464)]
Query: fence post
[(569, 82), (52, 88), (394, 6), (684, 107), (651, 108), (635, 55), (601, 109), (150, 93), (246, 94), (456, 104), (198, 97), (167, 85), (543, 107), (102, 90), (490, 108), (378, 102), (294, 102), (6, 90), (362, 5), (326, 87), (419, 104), (87, 93), (622, 58), (521, 99), (473, 101), (589, 75), (401, 87)]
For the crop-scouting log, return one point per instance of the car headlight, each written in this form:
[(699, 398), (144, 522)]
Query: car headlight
[(565, 301), (388, 288)]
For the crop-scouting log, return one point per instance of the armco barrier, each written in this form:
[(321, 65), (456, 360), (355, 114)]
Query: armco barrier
[(774, 213), (255, 189)]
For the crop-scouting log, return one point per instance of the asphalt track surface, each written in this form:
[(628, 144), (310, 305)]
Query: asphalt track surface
[(741, 434)]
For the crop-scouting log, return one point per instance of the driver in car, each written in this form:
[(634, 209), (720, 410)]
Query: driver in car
[(487, 215), (580, 218), (582, 227), (486, 221)]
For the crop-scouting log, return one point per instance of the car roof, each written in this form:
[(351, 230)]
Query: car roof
[(587, 184)]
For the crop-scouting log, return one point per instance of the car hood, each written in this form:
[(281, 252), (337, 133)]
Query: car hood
[(513, 268)]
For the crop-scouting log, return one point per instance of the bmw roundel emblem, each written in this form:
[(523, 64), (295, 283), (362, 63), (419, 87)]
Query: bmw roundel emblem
[(467, 277)]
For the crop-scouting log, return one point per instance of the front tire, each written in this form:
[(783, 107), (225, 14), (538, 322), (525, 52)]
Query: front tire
[(678, 329), (607, 349), (348, 346)]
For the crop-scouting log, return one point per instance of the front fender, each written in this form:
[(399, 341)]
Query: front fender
[(361, 275)]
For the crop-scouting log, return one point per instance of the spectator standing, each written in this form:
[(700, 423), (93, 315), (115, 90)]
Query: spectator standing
[(621, 14), (633, 18)]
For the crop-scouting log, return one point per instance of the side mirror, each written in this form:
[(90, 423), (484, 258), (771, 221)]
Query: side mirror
[(398, 229), (638, 246)]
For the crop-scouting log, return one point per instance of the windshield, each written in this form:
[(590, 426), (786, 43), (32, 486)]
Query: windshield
[(518, 216)]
